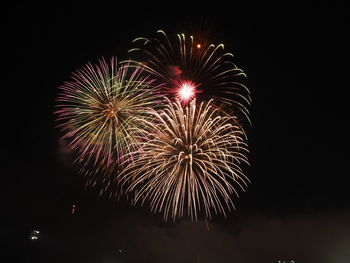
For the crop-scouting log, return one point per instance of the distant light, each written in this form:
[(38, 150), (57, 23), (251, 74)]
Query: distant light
[(199, 46), (73, 209), (34, 234)]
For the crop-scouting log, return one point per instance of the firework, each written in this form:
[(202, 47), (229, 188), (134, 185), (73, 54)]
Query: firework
[(194, 68), (97, 110), (189, 161)]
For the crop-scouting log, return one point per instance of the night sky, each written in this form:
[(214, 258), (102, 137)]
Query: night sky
[(298, 204)]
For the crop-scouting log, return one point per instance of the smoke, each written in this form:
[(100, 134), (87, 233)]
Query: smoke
[(317, 237)]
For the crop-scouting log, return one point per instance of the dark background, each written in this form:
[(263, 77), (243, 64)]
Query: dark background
[(297, 206)]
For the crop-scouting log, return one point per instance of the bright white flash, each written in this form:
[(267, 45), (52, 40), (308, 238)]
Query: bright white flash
[(186, 91)]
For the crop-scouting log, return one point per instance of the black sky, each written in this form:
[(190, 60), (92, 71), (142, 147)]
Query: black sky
[(297, 206)]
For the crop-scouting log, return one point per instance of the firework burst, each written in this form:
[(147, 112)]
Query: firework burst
[(97, 110), (189, 162), (209, 69)]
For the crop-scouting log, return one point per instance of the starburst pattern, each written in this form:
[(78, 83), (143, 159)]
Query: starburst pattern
[(189, 161), (209, 67), (97, 110)]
